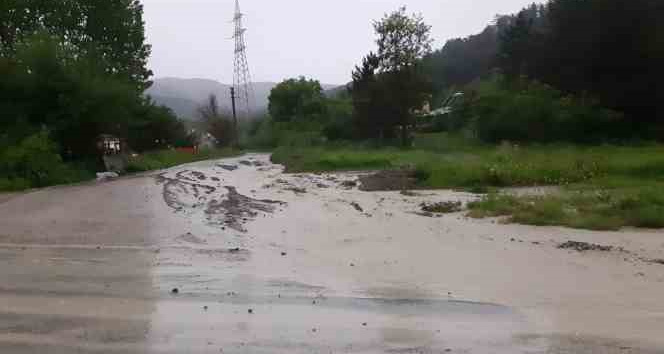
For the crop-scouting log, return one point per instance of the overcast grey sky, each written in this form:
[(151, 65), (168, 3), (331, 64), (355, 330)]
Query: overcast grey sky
[(288, 38)]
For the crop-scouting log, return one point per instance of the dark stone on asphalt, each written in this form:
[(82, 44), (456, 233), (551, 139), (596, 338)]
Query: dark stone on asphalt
[(364, 324), (348, 184), (283, 253), (297, 190), (175, 291), (357, 207), (442, 207), (584, 246), (250, 311)]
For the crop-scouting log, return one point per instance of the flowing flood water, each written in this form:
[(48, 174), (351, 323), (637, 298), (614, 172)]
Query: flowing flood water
[(234, 256)]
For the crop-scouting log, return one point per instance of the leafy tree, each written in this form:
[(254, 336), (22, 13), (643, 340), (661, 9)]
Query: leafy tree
[(47, 85), (109, 33), (220, 126), (296, 99), (366, 98), (611, 50), (460, 61), (390, 85)]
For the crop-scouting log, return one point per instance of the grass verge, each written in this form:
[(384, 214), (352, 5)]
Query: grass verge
[(593, 210), (603, 187), (157, 160)]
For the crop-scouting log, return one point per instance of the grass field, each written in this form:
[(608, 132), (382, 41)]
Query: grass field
[(603, 187), (157, 160)]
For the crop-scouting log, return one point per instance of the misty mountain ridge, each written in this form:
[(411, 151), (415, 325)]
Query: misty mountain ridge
[(184, 96)]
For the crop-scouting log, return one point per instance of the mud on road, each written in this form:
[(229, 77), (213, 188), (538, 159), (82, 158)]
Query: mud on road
[(234, 256)]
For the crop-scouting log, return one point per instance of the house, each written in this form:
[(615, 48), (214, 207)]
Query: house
[(109, 144), (113, 152)]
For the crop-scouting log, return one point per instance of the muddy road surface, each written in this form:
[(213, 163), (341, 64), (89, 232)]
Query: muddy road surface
[(233, 256)]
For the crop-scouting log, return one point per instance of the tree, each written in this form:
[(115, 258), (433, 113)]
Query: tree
[(296, 99), (218, 125), (611, 50), (366, 104), (516, 48), (461, 60), (398, 86), (47, 85), (108, 33)]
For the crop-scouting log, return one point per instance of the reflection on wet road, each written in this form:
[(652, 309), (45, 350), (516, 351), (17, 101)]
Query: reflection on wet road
[(236, 257)]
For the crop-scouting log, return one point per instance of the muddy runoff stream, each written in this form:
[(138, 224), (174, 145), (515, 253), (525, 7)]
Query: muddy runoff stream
[(234, 256)]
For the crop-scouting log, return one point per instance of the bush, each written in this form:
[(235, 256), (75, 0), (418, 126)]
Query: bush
[(534, 112), (35, 162)]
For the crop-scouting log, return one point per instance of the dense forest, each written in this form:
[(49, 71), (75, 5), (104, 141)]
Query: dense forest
[(592, 55)]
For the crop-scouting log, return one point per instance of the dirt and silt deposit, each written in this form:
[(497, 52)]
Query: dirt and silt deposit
[(235, 256)]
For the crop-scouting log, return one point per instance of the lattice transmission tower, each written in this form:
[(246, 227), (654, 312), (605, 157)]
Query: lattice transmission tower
[(244, 93)]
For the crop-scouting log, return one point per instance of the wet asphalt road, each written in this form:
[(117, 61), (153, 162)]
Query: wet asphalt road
[(177, 263)]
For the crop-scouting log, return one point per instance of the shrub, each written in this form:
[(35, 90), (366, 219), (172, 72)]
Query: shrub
[(534, 112), (35, 162)]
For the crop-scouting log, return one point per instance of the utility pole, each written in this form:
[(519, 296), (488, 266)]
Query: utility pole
[(235, 130), (241, 76)]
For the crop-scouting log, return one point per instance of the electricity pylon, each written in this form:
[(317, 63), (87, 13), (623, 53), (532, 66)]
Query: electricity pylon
[(241, 76)]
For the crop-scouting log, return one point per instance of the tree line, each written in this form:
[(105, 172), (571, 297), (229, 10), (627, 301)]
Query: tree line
[(70, 71), (591, 67), (583, 71)]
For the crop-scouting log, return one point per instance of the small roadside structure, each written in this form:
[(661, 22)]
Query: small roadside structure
[(109, 144), (113, 152)]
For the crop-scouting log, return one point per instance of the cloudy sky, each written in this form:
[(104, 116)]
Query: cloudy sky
[(322, 39)]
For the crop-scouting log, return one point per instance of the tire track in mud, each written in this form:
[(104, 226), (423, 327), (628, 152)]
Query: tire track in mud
[(184, 193), (238, 208)]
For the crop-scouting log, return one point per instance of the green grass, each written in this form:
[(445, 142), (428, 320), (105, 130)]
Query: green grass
[(585, 210), (602, 187), (447, 163), (157, 160)]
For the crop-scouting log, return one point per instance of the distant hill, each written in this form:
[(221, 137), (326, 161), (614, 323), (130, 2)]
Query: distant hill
[(336, 91), (184, 96), (182, 107)]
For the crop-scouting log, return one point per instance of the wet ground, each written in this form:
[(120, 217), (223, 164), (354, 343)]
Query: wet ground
[(234, 256)]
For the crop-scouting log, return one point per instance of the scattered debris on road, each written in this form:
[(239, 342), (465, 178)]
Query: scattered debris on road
[(228, 167), (237, 208), (442, 207), (389, 180), (296, 190), (103, 176), (357, 207), (349, 184), (584, 246)]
